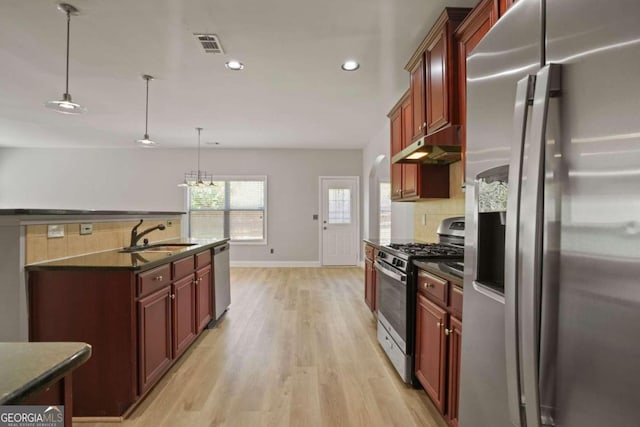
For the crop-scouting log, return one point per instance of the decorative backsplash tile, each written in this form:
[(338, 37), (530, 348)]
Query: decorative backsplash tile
[(105, 236), (434, 211)]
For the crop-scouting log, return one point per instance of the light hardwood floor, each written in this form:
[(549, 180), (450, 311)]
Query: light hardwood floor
[(297, 348)]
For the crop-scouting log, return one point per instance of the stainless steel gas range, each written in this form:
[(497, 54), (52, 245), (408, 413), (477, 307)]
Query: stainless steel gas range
[(397, 289)]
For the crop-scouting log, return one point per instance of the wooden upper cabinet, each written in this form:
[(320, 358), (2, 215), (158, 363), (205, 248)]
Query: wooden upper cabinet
[(504, 5), (433, 75), (418, 124), (396, 146), (467, 36), (410, 172)]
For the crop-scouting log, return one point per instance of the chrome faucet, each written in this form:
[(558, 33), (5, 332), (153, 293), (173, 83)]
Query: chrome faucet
[(135, 237)]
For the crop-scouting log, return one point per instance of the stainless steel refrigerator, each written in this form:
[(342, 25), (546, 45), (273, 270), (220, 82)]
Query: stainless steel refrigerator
[(552, 257)]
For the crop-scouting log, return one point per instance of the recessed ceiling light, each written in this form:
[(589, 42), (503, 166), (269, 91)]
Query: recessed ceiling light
[(350, 65), (234, 65)]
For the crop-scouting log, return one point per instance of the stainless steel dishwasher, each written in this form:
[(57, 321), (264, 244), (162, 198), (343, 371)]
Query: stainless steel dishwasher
[(222, 279)]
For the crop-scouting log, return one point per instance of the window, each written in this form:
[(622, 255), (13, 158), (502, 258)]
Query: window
[(233, 207), (385, 211), (339, 206)]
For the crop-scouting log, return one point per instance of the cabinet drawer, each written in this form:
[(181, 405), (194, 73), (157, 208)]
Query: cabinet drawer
[(182, 267), (369, 252), (152, 280), (433, 286), (203, 258), (456, 301)]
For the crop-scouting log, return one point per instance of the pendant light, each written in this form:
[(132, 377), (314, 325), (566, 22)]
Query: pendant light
[(197, 178), (65, 105), (145, 141)]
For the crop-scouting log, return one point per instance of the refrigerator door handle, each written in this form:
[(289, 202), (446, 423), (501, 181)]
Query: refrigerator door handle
[(531, 242), (524, 92)]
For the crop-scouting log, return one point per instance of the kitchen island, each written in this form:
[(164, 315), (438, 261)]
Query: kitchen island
[(140, 311)]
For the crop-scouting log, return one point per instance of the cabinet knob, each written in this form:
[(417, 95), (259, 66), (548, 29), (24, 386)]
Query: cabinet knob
[(448, 331), (173, 296), (428, 285), (424, 125), (158, 278), (439, 325)]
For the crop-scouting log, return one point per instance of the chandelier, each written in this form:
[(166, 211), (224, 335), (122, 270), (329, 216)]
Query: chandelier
[(197, 178)]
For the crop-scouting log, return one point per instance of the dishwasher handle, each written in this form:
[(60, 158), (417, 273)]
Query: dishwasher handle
[(221, 248)]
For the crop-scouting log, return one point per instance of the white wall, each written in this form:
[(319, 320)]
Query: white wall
[(146, 179)]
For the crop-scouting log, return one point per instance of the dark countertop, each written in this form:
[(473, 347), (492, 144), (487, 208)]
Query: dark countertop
[(439, 268), (28, 367), (82, 212), (116, 260), (384, 242)]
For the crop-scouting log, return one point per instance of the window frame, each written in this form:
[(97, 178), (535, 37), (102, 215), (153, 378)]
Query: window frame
[(226, 179)]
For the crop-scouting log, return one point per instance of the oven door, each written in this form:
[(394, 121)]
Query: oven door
[(392, 302)]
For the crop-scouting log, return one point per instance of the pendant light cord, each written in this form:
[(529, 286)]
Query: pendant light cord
[(146, 112), (68, 31), (199, 130)]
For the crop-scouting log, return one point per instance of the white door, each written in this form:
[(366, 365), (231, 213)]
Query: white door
[(339, 220)]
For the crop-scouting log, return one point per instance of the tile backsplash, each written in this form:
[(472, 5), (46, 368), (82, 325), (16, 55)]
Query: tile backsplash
[(105, 236), (429, 213)]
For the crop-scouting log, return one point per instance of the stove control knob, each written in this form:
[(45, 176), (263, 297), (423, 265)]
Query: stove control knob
[(400, 264)]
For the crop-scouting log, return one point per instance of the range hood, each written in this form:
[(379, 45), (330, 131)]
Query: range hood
[(441, 147)]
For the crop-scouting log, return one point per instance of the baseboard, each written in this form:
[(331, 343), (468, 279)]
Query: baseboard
[(274, 264)]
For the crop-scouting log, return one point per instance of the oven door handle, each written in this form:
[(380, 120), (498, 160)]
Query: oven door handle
[(387, 272)]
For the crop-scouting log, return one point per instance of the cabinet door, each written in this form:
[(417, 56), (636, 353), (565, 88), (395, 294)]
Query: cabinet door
[(505, 5), (396, 147), (368, 284), (204, 300), (418, 124), (154, 337), (437, 82), (431, 349), (410, 172), (184, 311), (453, 381), (374, 289)]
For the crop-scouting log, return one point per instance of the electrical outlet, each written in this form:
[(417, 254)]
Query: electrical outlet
[(271, 250), (424, 219), (55, 230), (86, 229)]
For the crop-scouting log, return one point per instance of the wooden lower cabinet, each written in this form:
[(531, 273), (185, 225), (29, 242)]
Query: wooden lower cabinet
[(184, 314), (430, 360), (370, 279), (138, 324), (439, 341), (454, 332), (204, 297), (370, 285), (154, 337)]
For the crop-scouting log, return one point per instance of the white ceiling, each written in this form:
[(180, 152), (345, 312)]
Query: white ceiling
[(292, 93)]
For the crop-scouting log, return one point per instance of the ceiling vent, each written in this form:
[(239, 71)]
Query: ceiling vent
[(210, 43)]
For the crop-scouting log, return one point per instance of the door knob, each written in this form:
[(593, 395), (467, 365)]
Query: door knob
[(324, 228)]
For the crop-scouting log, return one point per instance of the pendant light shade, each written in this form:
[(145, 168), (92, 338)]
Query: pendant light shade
[(197, 178), (146, 141), (66, 105)]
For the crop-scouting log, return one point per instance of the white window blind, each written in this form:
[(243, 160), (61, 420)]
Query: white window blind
[(234, 208), (385, 211)]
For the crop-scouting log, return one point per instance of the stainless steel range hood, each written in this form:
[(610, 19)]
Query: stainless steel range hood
[(440, 147)]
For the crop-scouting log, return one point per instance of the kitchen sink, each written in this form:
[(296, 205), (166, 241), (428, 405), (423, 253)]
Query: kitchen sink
[(159, 247)]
